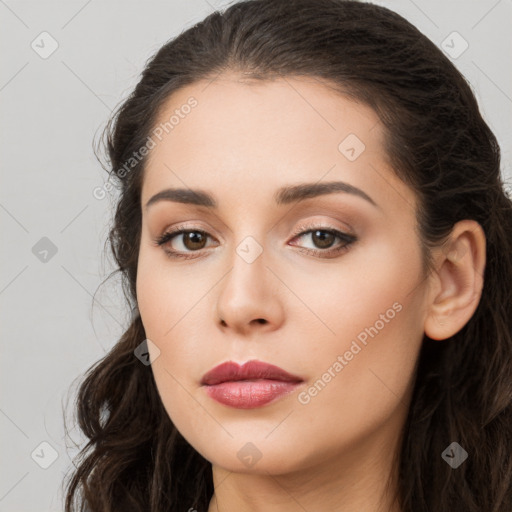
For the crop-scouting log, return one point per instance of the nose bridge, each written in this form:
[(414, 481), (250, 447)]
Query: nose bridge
[(247, 277), (249, 243), (247, 292)]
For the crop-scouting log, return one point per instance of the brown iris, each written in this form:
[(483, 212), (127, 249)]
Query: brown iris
[(194, 240), (326, 238)]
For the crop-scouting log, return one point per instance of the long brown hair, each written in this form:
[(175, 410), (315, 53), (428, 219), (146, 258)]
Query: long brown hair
[(438, 144)]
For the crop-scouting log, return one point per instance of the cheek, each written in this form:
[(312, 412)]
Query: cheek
[(360, 378), (344, 300), (167, 293), (169, 302), (364, 338), (360, 388)]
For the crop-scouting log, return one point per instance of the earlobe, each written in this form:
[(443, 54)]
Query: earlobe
[(457, 283)]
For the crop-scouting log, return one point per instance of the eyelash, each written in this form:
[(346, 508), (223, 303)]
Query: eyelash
[(348, 239)]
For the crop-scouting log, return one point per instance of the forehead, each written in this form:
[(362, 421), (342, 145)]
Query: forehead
[(260, 135), (252, 111)]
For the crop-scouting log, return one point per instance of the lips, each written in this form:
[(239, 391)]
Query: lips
[(250, 371), (252, 385)]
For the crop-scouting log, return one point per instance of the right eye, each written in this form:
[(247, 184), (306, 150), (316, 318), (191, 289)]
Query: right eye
[(192, 240)]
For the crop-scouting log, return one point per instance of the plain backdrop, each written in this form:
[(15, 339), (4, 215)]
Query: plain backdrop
[(65, 66)]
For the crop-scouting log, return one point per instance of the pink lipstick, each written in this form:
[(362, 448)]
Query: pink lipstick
[(251, 385)]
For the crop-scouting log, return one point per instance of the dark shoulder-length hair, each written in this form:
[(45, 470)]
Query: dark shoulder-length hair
[(438, 144)]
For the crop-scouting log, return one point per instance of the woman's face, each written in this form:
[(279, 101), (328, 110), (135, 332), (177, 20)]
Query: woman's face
[(347, 318)]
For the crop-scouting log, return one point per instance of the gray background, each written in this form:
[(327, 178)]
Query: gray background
[(52, 108)]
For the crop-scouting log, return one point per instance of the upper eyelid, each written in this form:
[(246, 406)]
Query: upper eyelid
[(322, 225), (300, 229), (315, 209)]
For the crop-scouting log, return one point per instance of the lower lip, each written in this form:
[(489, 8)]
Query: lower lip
[(249, 394)]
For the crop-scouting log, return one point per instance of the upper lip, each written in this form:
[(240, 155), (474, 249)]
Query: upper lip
[(231, 371)]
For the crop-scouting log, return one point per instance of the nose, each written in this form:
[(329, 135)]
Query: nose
[(250, 296)]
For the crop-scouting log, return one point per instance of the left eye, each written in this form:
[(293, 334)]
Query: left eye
[(193, 240), (324, 239)]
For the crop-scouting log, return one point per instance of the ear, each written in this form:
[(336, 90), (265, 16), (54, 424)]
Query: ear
[(457, 281)]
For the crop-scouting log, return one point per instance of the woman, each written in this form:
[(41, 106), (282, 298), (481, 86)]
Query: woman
[(313, 228)]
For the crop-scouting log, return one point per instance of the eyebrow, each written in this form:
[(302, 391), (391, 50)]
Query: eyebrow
[(283, 196)]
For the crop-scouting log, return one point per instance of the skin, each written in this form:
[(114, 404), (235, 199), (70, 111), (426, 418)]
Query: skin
[(242, 142)]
